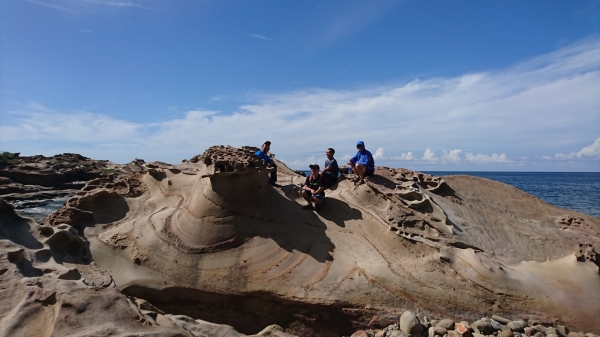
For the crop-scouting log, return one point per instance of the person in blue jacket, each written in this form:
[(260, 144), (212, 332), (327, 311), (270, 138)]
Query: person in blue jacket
[(263, 154), (362, 163)]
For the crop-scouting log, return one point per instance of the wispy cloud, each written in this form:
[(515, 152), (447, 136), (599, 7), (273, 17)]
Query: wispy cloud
[(258, 36), (115, 3), (51, 5)]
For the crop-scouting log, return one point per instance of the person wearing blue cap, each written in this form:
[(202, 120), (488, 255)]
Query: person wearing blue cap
[(362, 163)]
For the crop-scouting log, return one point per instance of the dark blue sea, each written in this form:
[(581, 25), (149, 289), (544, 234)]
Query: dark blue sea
[(579, 191)]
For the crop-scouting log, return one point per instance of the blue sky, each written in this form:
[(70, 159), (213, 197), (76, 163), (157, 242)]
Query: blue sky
[(428, 85)]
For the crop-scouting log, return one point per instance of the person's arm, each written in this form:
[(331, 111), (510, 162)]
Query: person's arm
[(353, 159)]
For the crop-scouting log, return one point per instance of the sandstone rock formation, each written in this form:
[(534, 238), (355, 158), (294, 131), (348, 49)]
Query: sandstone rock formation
[(210, 239)]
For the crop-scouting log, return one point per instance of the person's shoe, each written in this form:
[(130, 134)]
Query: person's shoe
[(309, 206)]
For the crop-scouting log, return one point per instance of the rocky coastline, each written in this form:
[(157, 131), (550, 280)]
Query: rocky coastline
[(206, 248)]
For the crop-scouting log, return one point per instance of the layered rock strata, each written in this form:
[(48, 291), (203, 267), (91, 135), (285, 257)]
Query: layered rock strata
[(210, 239)]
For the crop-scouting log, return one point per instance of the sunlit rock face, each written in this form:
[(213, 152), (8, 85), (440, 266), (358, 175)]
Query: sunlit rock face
[(212, 230)]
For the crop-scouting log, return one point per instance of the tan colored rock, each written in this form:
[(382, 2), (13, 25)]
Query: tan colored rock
[(410, 324), (447, 324)]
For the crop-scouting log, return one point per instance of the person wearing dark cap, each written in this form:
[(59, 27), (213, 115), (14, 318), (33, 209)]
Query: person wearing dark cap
[(331, 169), (362, 163), (263, 154), (312, 191)]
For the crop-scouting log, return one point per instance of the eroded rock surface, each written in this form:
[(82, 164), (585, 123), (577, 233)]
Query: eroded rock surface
[(210, 239)]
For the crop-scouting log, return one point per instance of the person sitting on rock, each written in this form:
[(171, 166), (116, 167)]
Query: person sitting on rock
[(312, 191), (263, 154), (362, 164), (331, 169)]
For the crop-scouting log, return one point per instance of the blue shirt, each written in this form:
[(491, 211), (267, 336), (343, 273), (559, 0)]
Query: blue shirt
[(263, 156), (364, 158)]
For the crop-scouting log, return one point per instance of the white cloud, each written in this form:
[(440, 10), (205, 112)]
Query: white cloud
[(518, 112), (429, 155), (405, 156), (485, 159), (451, 157), (592, 150), (379, 154)]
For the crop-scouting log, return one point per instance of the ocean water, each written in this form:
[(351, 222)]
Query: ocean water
[(579, 191)]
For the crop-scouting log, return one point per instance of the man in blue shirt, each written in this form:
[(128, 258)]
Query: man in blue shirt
[(362, 163), (263, 154)]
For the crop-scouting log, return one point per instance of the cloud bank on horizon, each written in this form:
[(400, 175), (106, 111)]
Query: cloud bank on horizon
[(535, 115)]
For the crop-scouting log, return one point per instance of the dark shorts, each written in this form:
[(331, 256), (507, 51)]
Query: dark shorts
[(329, 180), (369, 173), (318, 195)]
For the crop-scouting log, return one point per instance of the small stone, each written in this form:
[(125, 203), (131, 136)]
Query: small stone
[(506, 333), (466, 324), (563, 330), (538, 334), (360, 333), (500, 319), (380, 333), (410, 324), (397, 333), (528, 331), (431, 331), (475, 334), (517, 325), (447, 324), (434, 322), (461, 328), (551, 331), (483, 327), (539, 328), (551, 335), (496, 325), (439, 331), (574, 334), (452, 333)]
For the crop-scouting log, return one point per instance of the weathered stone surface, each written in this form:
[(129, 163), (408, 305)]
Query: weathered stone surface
[(360, 333), (383, 320)]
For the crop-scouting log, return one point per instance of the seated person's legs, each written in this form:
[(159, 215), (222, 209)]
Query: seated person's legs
[(318, 199), (360, 171), (307, 195)]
